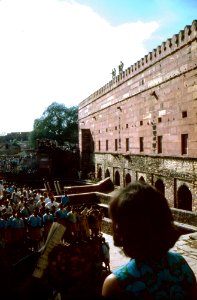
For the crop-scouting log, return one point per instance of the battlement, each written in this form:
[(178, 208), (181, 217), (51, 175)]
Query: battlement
[(171, 45)]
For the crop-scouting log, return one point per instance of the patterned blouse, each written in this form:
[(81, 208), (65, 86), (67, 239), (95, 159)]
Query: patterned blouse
[(169, 278)]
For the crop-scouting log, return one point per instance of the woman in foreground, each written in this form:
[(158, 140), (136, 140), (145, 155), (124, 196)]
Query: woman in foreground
[(143, 226)]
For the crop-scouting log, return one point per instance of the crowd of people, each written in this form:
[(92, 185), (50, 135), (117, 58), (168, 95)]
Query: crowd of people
[(16, 164), (26, 217)]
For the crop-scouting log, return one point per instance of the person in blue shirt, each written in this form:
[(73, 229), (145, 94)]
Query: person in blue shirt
[(61, 213), (17, 221), (65, 199), (18, 231), (35, 225), (47, 220), (143, 227), (6, 229)]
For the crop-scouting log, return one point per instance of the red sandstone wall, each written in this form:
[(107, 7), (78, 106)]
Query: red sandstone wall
[(152, 95), (155, 97)]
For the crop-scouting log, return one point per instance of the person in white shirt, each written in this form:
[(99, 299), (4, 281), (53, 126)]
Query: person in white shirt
[(51, 203)]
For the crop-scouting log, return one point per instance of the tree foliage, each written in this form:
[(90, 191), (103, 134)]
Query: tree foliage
[(56, 123)]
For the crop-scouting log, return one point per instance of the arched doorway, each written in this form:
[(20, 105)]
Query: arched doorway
[(107, 174), (127, 179), (184, 198), (117, 178), (159, 185), (99, 173)]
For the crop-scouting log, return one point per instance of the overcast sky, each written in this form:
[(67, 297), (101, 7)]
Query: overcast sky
[(62, 51)]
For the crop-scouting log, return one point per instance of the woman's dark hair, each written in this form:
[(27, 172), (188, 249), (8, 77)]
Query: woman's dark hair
[(142, 221)]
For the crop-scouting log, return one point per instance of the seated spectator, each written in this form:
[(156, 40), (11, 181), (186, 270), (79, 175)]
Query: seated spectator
[(143, 226)]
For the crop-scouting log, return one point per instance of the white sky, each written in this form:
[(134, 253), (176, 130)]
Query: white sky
[(58, 51)]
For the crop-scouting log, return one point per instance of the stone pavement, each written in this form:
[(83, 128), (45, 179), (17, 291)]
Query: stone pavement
[(186, 245)]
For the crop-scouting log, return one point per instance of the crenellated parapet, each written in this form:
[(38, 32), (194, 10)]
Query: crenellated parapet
[(168, 47)]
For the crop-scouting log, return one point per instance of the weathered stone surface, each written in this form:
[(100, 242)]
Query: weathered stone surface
[(154, 101)]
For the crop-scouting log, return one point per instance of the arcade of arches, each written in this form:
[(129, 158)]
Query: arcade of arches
[(182, 197)]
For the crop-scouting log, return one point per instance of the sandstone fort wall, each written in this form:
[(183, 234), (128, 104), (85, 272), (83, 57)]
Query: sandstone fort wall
[(143, 123)]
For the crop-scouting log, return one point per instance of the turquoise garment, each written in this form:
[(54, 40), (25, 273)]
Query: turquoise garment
[(64, 200), (48, 217), (35, 221), (18, 223), (169, 278), (2, 223), (62, 213)]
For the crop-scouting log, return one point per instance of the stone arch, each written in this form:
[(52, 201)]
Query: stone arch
[(184, 198), (127, 179), (159, 185), (99, 173), (117, 178), (141, 179), (107, 173)]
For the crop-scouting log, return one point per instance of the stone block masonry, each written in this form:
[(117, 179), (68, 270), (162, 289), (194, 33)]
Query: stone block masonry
[(143, 123)]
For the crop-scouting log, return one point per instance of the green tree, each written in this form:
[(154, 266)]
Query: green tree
[(56, 123)]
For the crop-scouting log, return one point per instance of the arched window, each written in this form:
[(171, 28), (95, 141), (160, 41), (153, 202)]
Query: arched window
[(117, 178), (159, 185), (107, 174), (99, 174), (184, 198), (127, 179), (141, 179)]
